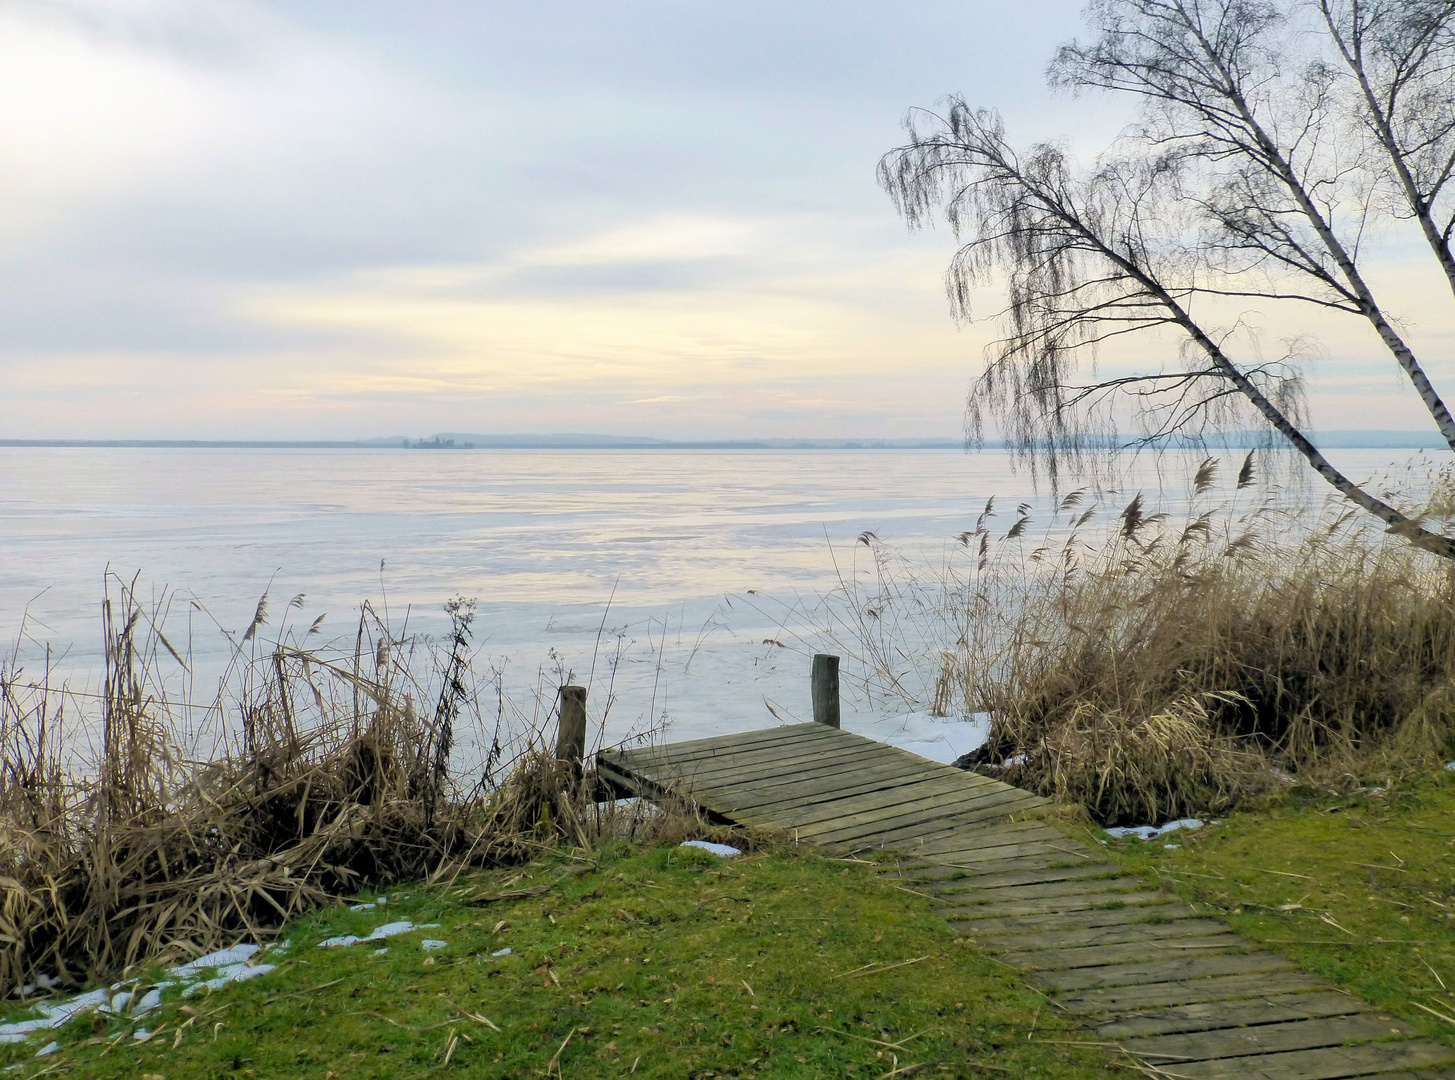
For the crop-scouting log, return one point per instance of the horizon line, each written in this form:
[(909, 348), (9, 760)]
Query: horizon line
[(1351, 439)]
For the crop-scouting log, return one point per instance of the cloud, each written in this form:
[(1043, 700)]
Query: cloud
[(785, 300), (258, 218)]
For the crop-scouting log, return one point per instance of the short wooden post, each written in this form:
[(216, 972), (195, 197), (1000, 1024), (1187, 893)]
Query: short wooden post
[(826, 689), (571, 731)]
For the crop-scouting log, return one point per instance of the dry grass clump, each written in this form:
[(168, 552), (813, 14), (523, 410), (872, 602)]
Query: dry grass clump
[(331, 778), (1156, 767), (1167, 668)]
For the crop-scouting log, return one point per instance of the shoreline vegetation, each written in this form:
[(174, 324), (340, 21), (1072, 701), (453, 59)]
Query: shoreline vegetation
[(1146, 668), (318, 775), (1134, 667)]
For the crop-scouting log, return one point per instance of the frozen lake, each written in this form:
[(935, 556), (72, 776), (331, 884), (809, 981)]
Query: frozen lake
[(681, 585)]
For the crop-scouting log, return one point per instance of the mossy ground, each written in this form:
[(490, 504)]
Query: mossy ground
[(660, 962), (1359, 888)]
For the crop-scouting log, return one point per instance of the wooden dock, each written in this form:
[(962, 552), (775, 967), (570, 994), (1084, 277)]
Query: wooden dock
[(1174, 989)]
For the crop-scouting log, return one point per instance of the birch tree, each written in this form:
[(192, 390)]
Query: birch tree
[(1273, 139)]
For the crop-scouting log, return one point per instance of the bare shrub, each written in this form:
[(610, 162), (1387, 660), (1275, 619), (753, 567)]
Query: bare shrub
[(330, 778), (1149, 668)]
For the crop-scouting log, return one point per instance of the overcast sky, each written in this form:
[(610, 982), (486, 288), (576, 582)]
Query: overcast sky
[(344, 218)]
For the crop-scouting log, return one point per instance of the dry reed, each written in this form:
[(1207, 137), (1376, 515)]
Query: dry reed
[(332, 779), (1158, 668)]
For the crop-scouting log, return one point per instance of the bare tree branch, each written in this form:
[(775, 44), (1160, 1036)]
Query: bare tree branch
[(1079, 252), (1257, 124)]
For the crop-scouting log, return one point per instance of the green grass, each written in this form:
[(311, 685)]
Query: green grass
[(653, 963), (1358, 888)]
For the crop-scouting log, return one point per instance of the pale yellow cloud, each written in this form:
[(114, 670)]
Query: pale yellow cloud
[(678, 237), (435, 328)]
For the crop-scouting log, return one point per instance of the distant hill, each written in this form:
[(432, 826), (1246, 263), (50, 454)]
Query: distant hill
[(571, 441), (454, 440)]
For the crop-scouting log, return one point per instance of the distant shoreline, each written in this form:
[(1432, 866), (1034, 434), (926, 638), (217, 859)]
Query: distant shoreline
[(417, 444), (1336, 440)]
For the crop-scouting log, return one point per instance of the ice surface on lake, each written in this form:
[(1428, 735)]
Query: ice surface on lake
[(717, 559), (717, 849)]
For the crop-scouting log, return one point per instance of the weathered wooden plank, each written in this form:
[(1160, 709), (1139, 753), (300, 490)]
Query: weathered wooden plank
[(1158, 970), (1010, 855), (1207, 1016), (962, 814), (1127, 952), (923, 870), (1074, 920), (884, 786), (1058, 905), (1266, 1038), (909, 828), (727, 744), (660, 767), (789, 764), (803, 752), (909, 839), (640, 784), (1333, 1063), (995, 804), (1012, 804), (832, 804), (766, 800), (789, 761), (663, 779), (969, 894), (1010, 852), (1187, 929), (821, 742), (815, 783), (972, 848), (1129, 999), (1038, 876), (849, 824)]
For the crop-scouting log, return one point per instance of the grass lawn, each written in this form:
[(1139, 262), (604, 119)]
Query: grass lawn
[(663, 962), (1360, 889)]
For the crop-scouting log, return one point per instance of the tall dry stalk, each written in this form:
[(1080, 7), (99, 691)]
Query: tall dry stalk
[(1148, 668), (333, 781)]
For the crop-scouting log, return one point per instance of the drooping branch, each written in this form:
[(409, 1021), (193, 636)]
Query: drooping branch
[(1083, 257), (1256, 126), (1401, 55)]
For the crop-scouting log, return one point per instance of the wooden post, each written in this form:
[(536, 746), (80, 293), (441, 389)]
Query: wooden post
[(826, 689), (571, 731)]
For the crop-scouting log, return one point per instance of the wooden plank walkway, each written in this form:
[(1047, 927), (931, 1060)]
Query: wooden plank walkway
[(1176, 990)]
